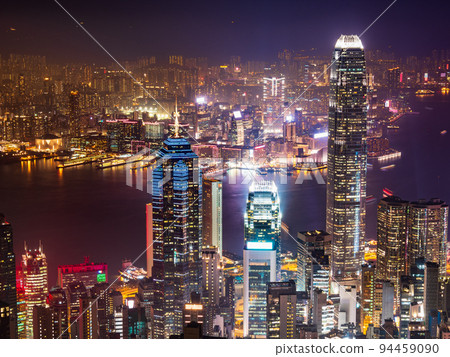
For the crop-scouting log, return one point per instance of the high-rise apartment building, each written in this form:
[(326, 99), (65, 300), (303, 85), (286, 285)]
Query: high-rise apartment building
[(347, 157)]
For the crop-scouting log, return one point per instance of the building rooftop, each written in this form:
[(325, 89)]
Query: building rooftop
[(349, 41)]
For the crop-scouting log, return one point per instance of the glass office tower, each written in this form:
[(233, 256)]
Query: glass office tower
[(347, 157), (177, 233)]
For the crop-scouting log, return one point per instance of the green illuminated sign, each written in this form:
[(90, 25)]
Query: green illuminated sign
[(101, 278)]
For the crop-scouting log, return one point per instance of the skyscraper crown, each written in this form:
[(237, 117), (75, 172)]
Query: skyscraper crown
[(349, 41)]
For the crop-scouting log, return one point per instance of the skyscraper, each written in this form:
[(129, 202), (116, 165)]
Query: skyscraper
[(367, 291), (259, 270), (431, 291), (310, 245), (281, 309), (347, 157), (88, 321), (262, 219), (428, 227), (177, 232), (8, 275), (35, 280), (212, 213), (57, 303), (211, 276), (273, 98), (392, 233)]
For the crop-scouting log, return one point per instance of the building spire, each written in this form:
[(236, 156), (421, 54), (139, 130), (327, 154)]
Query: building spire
[(177, 123)]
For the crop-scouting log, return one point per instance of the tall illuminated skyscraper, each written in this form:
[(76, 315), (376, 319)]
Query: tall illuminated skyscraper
[(262, 219), (392, 239), (211, 283), (273, 98), (35, 280), (347, 157), (8, 275), (177, 232), (212, 213), (428, 227)]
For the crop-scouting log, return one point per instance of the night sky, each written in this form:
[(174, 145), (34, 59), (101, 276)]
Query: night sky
[(216, 29)]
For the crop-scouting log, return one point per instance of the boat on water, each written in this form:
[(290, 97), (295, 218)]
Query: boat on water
[(429, 108), (369, 166), (443, 132), (388, 167), (423, 92)]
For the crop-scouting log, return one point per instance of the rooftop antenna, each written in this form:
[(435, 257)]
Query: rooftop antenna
[(177, 124)]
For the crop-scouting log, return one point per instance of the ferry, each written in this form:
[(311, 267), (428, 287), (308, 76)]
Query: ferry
[(371, 199), (388, 167), (423, 92), (443, 132)]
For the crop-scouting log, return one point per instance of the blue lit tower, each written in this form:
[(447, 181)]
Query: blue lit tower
[(347, 158), (177, 232)]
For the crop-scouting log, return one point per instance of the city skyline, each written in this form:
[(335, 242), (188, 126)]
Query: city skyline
[(227, 197)]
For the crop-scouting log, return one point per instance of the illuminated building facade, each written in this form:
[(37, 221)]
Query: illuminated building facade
[(273, 98), (406, 299), (307, 243), (74, 114), (392, 238), (89, 273), (57, 303), (428, 232), (262, 219), (75, 292), (259, 270), (212, 213), (211, 283), (347, 158), (121, 133), (8, 276), (177, 233), (281, 309), (367, 291), (35, 282), (88, 321)]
